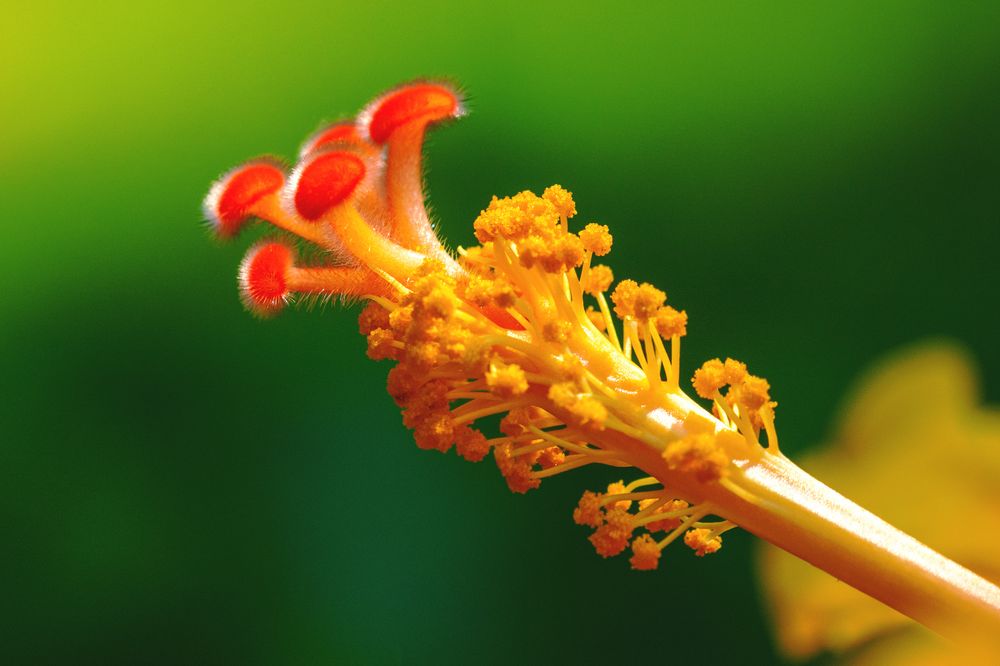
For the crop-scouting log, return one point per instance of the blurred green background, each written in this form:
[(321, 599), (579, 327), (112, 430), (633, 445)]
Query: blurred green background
[(182, 483)]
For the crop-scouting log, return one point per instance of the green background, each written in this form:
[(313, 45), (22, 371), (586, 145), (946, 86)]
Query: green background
[(183, 483)]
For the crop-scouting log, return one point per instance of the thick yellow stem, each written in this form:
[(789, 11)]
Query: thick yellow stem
[(779, 502)]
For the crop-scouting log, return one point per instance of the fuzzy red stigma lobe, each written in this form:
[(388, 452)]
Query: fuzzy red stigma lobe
[(230, 202), (264, 277), (428, 102), (343, 132), (326, 181)]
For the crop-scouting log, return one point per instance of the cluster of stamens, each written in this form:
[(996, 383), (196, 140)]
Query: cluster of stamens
[(519, 326)]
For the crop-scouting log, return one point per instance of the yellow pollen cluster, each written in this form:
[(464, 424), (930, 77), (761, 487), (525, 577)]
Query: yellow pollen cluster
[(703, 541), (614, 522), (536, 226), (645, 553), (598, 280), (746, 404), (506, 381), (641, 301), (597, 239)]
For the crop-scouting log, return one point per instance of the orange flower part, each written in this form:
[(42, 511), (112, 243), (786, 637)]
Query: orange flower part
[(232, 200), (519, 330), (703, 541), (645, 553)]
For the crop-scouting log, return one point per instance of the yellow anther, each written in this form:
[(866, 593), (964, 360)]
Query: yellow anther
[(588, 511), (380, 345), (372, 317), (624, 298), (670, 322), (516, 470), (641, 301), (702, 542), (436, 431), (754, 392), (598, 279), (471, 444), (612, 537), (551, 456), (423, 354), (400, 320), (709, 378), (734, 371), (645, 553), (561, 199), (596, 238), (507, 381)]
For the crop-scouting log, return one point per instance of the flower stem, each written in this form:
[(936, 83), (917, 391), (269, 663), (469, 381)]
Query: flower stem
[(779, 502)]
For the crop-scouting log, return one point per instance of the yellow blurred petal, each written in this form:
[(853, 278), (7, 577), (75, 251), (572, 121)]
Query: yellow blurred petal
[(920, 385), (915, 448)]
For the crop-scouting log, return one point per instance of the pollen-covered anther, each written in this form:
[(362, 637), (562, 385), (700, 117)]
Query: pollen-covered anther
[(550, 457), (372, 316), (435, 431), (698, 455), (640, 301), (231, 200), (381, 345), (561, 199), (645, 553), (598, 279), (702, 541), (588, 511), (471, 444), (671, 322), (506, 380), (613, 535), (754, 392), (486, 290), (596, 238), (709, 378), (516, 470), (263, 277), (415, 103)]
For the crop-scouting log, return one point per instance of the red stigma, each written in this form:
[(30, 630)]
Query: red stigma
[(343, 132), (326, 181), (240, 191), (264, 277), (423, 101)]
